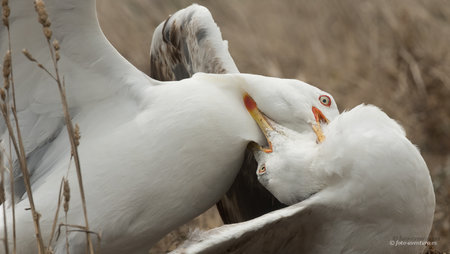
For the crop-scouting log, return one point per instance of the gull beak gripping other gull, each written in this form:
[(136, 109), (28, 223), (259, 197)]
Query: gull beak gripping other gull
[(149, 149), (150, 157), (188, 42), (355, 184), (266, 127)]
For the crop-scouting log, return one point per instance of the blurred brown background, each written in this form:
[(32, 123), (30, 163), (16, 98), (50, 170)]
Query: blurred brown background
[(393, 54)]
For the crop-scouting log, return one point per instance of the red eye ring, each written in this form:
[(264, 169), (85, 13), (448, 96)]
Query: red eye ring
[(325, 100)]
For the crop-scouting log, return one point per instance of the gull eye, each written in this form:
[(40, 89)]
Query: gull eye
[(262, 170), (325, 100)]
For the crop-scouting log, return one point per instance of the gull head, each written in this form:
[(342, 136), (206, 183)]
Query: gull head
[(307, 105), (286, 149)]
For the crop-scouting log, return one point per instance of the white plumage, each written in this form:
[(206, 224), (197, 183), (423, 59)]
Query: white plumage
[(153, 155), (362, 189)]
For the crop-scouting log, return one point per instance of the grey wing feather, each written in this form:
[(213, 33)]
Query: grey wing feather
[(294, 229), (188, 42)]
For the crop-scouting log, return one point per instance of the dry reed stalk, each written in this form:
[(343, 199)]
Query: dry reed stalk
[(66, 194), (13, 208), (5, 18), (18, 144), (79, 229), (2, 200), (60, 195), (55, 220), (11, 182), (20, 152), (54, 53)]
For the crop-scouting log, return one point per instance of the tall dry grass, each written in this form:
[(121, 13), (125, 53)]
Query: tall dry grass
[(7, 93), (8, 108), (394, 54)]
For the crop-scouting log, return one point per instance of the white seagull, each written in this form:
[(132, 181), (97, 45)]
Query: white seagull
[(356, 185), (181, 47), (153, 154)]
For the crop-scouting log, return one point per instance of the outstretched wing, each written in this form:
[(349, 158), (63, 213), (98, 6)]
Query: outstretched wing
[(91, 67), (289, 230), (188, 42)]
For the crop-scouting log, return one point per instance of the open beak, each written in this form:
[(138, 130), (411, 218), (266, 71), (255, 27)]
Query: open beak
[(320, 118), (262, 122)]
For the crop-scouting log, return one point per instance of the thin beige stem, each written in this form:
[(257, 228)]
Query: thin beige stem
[(20, 152), (55, 219), (13, 208), (11, 75), (13, 90), (22, 157), (5, 228), (54, 53), (67, 235), (2, 199), (70, 130), (11, 183), (26, 177), (79, 229), (28, 55)]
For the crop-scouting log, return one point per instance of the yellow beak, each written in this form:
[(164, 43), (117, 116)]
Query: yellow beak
[(265, 126), (320, 118), (261, 120)]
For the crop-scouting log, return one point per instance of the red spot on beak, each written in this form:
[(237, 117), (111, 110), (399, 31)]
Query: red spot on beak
[(319, 116), (250, 104)]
